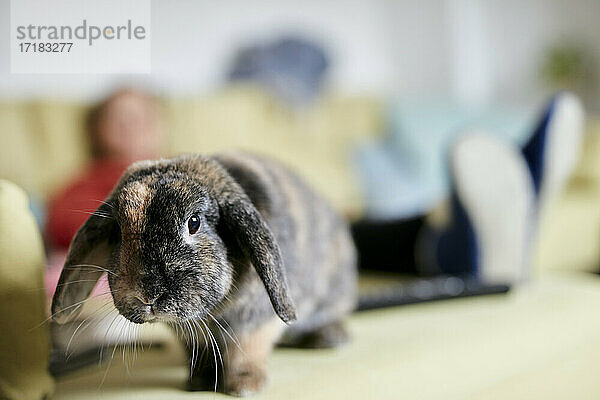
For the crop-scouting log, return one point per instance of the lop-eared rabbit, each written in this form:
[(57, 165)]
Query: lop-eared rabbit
[(233, 250)]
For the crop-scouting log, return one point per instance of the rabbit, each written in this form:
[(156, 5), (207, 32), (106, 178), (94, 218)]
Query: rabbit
[(232, 243)]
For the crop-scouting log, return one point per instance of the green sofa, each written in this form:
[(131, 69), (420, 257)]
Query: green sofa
[(542, 340)]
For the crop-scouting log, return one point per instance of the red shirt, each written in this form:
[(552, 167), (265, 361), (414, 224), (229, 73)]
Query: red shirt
[(72, 206)]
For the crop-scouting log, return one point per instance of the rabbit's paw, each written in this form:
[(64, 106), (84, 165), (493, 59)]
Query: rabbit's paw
[(245, 381)]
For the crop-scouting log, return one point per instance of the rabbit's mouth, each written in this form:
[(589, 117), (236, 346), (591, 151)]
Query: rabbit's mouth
[(139, 310), (144, 313), (140, 317)]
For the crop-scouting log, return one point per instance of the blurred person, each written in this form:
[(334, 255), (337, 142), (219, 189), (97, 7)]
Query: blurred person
[(124, 128), (498, 191)]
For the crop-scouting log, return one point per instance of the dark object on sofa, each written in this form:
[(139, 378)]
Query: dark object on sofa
[(291, 68), (424, 290)]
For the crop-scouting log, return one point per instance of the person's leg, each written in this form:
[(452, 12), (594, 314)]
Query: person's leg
[(496, 194), (488, 223), (491, 205), (554, 145), (494, 211)]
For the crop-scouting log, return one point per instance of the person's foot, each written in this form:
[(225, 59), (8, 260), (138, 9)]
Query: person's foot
[(552, 150), (488, 232)]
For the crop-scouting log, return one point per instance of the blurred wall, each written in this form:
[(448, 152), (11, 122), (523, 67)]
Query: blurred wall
[(472, 50)]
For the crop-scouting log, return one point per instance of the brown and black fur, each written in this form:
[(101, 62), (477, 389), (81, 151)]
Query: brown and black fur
[(262, 228)]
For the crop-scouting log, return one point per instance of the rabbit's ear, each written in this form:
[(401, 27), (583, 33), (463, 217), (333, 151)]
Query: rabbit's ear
[(253, 235), (86, 262), (258, 243)]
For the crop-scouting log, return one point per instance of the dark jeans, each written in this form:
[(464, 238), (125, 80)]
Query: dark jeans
[(387, 245)]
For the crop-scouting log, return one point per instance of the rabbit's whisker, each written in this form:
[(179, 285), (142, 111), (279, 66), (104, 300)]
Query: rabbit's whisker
[(84, 266), (197, 346), (234, 339), (205, 342), (218, 352), (88, 320), (94, 213), (104, 339), (77, 281), (104, 202), (108, 367), (64, 309), (192, 339)]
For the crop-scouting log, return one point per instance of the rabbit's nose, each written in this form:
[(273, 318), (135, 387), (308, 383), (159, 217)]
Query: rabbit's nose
[(148, 303), (145, 300)]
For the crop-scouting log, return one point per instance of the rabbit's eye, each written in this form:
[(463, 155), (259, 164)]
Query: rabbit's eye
[(193, 224)]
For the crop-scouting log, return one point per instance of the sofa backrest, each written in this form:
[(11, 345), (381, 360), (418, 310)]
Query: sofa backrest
[(43, 143)]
